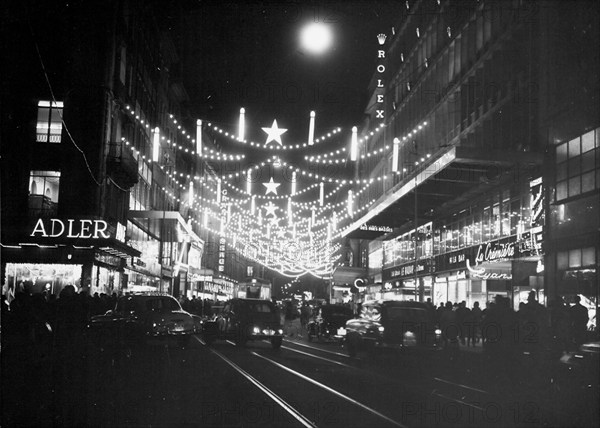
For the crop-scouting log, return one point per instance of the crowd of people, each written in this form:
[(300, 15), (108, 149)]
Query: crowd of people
[(500, 329)]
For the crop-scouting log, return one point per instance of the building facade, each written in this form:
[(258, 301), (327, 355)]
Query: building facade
[(98, 168), (492, 166)]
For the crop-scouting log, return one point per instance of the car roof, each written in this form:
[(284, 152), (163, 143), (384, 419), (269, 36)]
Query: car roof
[(396, 303), (239, 299), (146, 296)]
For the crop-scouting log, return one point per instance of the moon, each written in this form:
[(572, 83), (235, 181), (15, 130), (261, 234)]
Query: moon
[(316, 37)]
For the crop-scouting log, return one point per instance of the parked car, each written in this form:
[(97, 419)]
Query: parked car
[(578, 381), (144, 319), (392, 324), (329, 322), (242, 320)]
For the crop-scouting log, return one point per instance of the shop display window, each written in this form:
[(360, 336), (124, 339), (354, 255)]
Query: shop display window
[(36, 278)]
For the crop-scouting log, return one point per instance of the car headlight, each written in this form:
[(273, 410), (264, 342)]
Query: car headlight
[(158, 328), (280, 331), (381, 328), (256, 330), (438, 332)]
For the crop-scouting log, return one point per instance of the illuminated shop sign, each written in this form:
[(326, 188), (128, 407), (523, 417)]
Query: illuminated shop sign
[(478, 272), (374, 228), (456, 258), (379, 110), (537, 202), (218, 287), (70, 228), (493, 251), (221, 254), (409, 269)]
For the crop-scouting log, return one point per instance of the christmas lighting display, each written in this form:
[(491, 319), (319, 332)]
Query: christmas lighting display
[(274, 212)]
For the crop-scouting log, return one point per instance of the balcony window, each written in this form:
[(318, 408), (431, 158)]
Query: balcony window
[(49, 122), (43, 192)]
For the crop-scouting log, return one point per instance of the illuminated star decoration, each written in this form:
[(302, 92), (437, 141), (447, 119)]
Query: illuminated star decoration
[(274, 133), (274, 221), (271, 186), (270, 208)]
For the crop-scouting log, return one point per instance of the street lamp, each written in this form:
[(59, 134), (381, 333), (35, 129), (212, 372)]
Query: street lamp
[(316, 37)]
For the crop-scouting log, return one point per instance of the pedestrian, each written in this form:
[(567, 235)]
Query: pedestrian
[(289, 317), (579, 320), (449, 326), (462, 318), (476, 317), (304, 316)]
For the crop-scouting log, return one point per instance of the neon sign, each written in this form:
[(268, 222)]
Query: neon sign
[(380, 114), (482, 273), (494, 251)]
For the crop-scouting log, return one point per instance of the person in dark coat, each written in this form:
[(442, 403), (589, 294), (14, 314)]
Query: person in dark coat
[(579, 319)]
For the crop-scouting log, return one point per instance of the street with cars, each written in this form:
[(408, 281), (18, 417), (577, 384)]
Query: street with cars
[(217, 379)]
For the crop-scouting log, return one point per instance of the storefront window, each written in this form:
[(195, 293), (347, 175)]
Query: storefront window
[(486, 225), (36, 278), (575, 258), (515, 216), (496, 225), (506, 217), (477, 229)]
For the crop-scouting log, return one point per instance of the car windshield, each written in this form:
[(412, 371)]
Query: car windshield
[(158, 304), (263, 307)]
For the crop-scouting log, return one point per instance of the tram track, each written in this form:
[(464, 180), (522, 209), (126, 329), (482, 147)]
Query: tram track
[(415, 400), (352, 411)]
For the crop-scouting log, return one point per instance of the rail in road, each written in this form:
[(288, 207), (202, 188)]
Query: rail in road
[(360, 393), (302, 384)]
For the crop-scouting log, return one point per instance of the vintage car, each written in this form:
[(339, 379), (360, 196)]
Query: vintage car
[(242, 320), (144, 319), (329, 323), (392, 324)]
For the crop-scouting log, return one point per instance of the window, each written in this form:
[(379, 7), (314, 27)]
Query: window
[(49, 122), (45, 183), (577, 165)]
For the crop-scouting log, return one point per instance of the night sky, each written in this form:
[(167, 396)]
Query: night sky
[(238, 54)]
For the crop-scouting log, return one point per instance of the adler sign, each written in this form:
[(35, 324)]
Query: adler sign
[(71, 228)]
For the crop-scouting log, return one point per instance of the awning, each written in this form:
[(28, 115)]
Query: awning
[(445, 180), (347, 275)]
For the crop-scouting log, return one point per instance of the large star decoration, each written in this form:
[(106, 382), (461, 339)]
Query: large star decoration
[(274, 133), (274, 221), (271, 186), (270, 208)]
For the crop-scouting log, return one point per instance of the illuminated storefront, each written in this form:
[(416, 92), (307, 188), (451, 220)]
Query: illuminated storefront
[(493, 247), (88, 253)]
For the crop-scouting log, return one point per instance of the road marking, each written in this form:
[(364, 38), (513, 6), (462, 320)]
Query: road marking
[(318, 349), (316, 356), (298, 416), (462, 386), (333, 391)]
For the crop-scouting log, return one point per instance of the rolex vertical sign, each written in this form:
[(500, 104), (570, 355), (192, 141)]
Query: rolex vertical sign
[(380, 89)]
